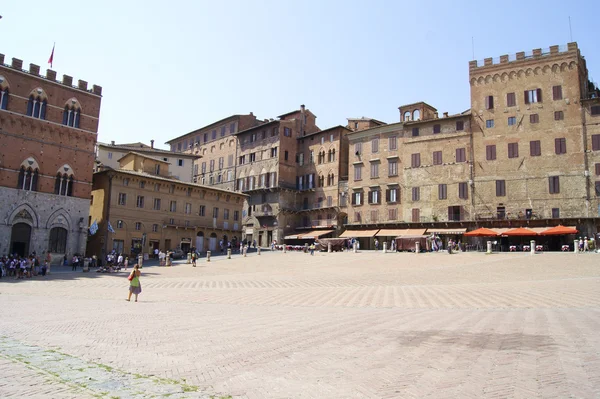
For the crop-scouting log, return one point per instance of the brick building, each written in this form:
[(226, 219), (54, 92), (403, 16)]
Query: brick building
[(181, 166), (148, 210), (525, 153), (216, 149), (270, 160), (48, 132)]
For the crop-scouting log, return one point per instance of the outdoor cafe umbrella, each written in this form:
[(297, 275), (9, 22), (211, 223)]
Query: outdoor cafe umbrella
[(521, 231), (481, 232), (558, 230)]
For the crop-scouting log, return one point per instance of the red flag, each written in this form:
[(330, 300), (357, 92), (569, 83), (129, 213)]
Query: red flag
[(51, 56)]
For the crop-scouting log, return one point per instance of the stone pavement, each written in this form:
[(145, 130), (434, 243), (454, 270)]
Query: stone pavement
[(340, 325)]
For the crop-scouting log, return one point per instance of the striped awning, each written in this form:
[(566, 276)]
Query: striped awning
[(446, 231), (314, 234), (359, 233)]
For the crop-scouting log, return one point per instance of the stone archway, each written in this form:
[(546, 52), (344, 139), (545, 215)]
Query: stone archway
[(20, 239), (200, 241)]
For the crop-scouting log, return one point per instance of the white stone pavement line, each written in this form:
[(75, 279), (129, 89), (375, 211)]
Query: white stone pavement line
[(93, 378)]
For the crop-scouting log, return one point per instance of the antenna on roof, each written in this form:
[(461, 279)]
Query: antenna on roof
[(570, 30)]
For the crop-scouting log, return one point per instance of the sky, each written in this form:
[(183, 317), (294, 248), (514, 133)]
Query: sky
[(168, 68)]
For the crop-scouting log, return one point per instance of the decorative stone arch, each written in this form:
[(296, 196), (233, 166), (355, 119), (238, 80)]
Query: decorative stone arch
[(73, 103), (555, 68), (406, 117), (572, 65), (537, 70), (221, 146), (213, 235), (65, 170), (546, 69), (59, 218), (231, 143), (30, 162), (564, 66), (496, 77), (23, 213), (213, 149), (512, 75), (204, 151), (480, 80), (4, 83), (504, 77), (39, 94), (473, 81)]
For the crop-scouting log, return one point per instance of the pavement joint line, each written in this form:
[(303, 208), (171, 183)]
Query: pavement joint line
[(42, 360)]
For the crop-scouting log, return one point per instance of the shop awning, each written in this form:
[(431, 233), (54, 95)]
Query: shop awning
[(314, 234), (359, 233), (538, 229), (559, 230), (390, 232), (291, 237), (501, 231), (446, 231)]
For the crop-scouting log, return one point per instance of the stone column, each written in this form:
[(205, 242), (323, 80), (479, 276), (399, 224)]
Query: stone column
[(228, 253), (532, 247), (385, 247)]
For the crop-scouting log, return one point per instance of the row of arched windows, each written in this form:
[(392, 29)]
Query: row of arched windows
[(37, 105), (330, 180), (330, 156), (29, 176)]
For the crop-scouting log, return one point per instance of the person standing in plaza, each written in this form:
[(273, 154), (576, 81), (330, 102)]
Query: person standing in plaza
[(194, 258), (376, 244), (586, 244), (135, 286)]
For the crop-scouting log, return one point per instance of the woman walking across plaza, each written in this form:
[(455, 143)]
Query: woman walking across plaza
[(135, 287)]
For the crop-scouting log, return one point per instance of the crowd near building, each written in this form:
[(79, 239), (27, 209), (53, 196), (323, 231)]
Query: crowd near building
[(526, 153)]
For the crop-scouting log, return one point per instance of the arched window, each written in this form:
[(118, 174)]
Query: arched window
[(63, 185), (333, 155), (3, 98), (71, 116), (28, 179), (36, 107), (416, 115), (58, 240), (407, 116), (332, 178)]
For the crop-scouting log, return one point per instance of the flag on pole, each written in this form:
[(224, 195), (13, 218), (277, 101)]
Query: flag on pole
[(93, 228), (51, 56), (110, 228)]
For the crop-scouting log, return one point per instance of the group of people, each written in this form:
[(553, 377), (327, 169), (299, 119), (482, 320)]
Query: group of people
[(21, 267)]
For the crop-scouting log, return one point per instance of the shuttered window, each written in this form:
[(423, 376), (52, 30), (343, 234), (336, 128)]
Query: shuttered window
[(559, 115), (416, 215), (500, 188), (463, 192), (415, 160), (557, 93), (595, 142), (513, 150), (511, 100), (490, 152), (533, 96), (554, 185), (535, 148), (437, 128), (597, 168), (461, 155), (489, 102), (534, 118), (416, 194), (560, 146), (460, 125), (442, 191), (437, 157)]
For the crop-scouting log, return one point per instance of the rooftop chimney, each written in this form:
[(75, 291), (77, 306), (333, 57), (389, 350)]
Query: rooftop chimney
[(302, 108), (151, 143), (251, 113), (445, 114), (435, 115), (112, 142)]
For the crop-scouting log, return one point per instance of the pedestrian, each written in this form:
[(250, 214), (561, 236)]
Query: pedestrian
[(126, 262), (156, 253), (376, 244), (312, 249), (254, 244), (194, 259), (74, 263), (135, 286), (120, 260), (586, 244), (580, 245), (221, 246)]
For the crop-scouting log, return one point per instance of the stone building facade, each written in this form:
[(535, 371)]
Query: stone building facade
[(527, 152), (48, 129), (216, 149), (181, 165), (148, 209)]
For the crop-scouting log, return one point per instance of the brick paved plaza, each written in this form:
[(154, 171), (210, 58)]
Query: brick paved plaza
[(341, 325)]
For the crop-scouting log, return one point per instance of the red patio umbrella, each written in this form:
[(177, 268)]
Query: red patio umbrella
[(481, 232), (559, 230), (521, 231)]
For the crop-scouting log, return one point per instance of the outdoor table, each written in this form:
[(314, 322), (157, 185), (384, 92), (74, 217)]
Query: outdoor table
[(512, 248), (526, 248), (539, 248), (565, 248)]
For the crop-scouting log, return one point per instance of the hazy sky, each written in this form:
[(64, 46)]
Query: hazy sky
[(168, 68)]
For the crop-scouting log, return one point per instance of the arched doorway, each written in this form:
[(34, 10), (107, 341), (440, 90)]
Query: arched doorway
[(200, 242), (20, 239), (212, 242)]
